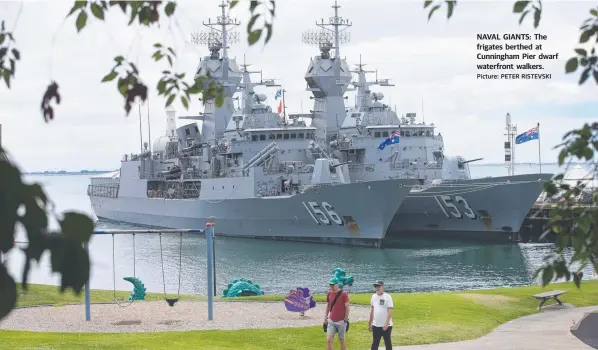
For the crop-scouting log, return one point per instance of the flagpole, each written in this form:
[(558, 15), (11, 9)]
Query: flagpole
[(284, 107), (539, 154)]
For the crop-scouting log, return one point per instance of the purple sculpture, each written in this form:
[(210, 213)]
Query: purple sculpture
[(299, 300)]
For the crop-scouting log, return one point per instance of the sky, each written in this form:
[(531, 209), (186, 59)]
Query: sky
[(432, 64)]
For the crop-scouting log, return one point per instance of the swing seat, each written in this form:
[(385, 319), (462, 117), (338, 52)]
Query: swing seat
[(171, 302)]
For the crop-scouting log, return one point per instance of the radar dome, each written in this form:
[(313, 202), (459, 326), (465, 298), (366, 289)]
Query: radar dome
[(261, 97), (379, 95), (160, 144)]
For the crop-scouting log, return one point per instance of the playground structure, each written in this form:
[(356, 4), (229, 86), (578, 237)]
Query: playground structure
[(139, 288), (343, 278), (242, 288)]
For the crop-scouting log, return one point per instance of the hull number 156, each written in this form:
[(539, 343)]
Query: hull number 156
[(447, 205), (323, 214)]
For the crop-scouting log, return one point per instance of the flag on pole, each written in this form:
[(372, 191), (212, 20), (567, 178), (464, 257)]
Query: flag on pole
[(391, 140), (531, 134), (280, 107), (278, 94)]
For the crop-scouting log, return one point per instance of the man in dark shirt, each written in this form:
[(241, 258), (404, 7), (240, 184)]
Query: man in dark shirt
[(337, 317)]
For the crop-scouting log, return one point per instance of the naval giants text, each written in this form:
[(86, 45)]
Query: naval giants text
[(512, 56)]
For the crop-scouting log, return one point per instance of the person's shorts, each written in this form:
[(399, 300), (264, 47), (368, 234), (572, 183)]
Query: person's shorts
[(336, 327)]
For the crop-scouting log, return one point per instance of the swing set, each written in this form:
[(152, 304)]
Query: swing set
[(139, 287)]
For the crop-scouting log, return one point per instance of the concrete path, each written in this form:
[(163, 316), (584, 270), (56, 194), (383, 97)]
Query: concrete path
[(547, 330)]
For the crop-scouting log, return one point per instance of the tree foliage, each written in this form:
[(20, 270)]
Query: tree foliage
[(28, 205)]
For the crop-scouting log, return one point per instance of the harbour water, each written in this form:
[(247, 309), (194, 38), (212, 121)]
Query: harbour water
[(280, 266)]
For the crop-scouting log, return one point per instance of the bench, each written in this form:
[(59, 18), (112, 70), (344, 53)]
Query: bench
[(553, 294)]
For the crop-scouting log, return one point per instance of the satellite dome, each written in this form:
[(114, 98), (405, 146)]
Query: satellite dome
[(261, 97)]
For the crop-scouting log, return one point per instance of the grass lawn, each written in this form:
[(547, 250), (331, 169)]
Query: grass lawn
[(419, 318)]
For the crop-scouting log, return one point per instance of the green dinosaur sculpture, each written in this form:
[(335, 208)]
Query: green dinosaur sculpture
[(241, 288), (343, 278), (138, 288)]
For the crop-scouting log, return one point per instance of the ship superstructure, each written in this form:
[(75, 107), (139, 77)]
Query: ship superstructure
[(252, 172)]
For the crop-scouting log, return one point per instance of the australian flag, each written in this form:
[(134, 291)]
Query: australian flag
[(531, 134), (391, 140)]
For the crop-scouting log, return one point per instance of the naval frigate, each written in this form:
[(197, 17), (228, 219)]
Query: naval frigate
[(447, 202), (249, 171)]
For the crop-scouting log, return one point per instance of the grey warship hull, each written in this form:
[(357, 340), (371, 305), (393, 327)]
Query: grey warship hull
[(484, 210), (354, 214)]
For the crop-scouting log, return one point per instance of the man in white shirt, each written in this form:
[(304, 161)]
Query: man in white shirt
[(381, 317)]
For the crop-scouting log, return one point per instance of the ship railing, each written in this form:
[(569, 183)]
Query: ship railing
[(360, 168), (108, 191), (288, 167)]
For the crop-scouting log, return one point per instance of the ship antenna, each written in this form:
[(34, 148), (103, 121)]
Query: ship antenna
[(140, 133), (220, 35), (149, 132), (326, 37)]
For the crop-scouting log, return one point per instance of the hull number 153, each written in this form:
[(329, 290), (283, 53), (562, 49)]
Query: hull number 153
[(447, 205), (323, 214)]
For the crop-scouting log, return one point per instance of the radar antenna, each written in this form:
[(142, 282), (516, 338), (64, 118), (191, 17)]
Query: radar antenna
[(219, 36), (328, 38)]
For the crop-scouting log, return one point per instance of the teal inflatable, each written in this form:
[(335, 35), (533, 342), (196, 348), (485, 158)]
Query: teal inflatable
[(343, 278), (138, 288), (241, 288)]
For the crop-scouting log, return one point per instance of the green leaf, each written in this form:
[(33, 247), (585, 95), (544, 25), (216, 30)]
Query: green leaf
[(547, 275), (571, 65), (432, 11), (537, 17), (585, 36), (2, 37), (81, 20), (219, 99), (594, 13), (6, 76), (185, 102), (523, 16), (77, 226), (97, 11), (427, 3), (110, 76), (16, 54), (585, 75), (581, 52), (170, 7), (269, 32), (170, 99), (595, 74), (169, 60), (251, 23), (76, 6), (451, 6), (8, 292), (519, 6), (254, 36)]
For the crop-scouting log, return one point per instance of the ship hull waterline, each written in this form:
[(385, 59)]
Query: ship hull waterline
[(363, 213), (489, 210)]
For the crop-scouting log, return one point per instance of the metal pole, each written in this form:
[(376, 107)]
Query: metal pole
[(210, 243), (214, 257), (539, 154), (87, 291)]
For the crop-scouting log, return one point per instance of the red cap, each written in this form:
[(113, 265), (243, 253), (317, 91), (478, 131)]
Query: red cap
[(208, 224)]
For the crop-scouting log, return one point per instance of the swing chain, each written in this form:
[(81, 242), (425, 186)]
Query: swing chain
[(114, 273)]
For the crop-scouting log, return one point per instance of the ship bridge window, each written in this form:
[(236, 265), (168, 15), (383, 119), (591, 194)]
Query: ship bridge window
[(301, 135), (271, 136), (196, 128), (278, 136), (293, 136), (253, 137), (377, 134), (262, 137), (286, 136), (187, 132), (385, 134)]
